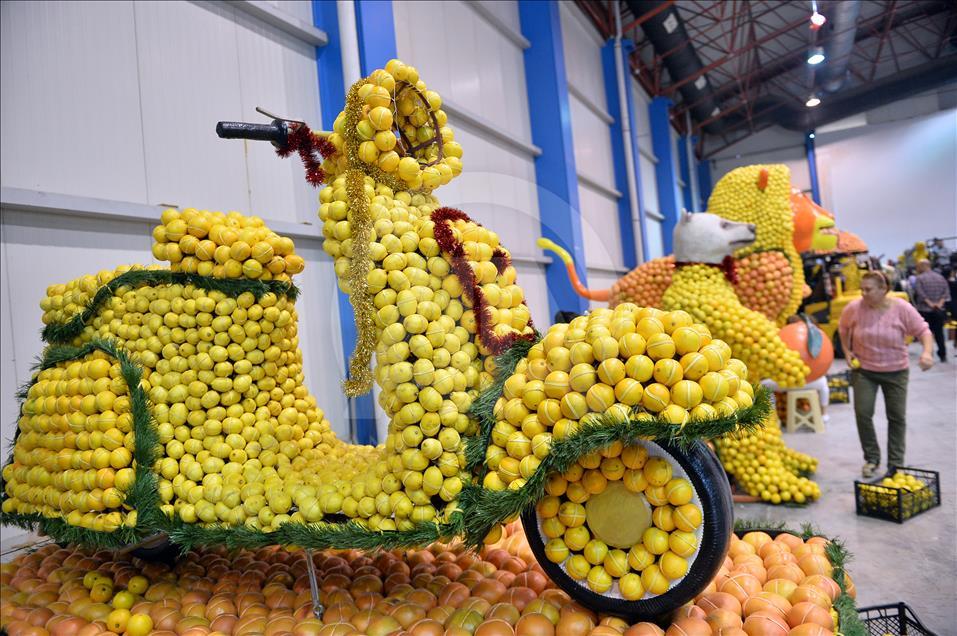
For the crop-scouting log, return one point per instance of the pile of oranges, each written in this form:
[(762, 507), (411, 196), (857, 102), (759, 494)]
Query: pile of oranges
[(764, 280), (645, 284), (779, 587)]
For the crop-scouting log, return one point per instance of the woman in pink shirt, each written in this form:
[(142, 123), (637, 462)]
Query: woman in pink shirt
[(873, 330)]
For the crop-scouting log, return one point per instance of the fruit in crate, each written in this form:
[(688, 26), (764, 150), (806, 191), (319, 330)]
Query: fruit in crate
[(765, 467), (913, 494)]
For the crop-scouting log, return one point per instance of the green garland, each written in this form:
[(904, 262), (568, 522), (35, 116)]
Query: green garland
[(143, 496), (480, 509), (57, 333), (744, 421), (316, 536), (486, 508), (837, 553), (484, 405)]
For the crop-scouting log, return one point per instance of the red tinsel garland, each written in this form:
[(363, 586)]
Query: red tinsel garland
[(443, 219), (309, 146)]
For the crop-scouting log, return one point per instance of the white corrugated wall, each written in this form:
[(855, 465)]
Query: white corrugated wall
[(474, 60), (113, 105), (594, 161), (646, 168)]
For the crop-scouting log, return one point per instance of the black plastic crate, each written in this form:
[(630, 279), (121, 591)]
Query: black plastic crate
[(898, 504), (897, 619), (840, 387)]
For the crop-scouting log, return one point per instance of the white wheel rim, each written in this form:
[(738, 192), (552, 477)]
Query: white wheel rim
[(677, 470)]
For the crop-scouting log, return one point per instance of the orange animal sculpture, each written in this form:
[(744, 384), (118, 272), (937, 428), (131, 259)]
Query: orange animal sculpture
[(765, 278), (813, 225)]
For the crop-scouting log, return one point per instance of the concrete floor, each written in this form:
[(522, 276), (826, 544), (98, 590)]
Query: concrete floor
[(914, 562)]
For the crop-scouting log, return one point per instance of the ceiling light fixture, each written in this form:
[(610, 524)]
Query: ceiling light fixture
[(812, 101), (815, 55), (817, 19)]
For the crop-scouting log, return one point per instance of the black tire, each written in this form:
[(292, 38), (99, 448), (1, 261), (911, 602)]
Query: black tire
[(711, 484), (157, 551)]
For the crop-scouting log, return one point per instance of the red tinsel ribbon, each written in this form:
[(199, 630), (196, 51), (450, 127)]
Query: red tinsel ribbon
[(443, 219), (312, 150), (728, 266)]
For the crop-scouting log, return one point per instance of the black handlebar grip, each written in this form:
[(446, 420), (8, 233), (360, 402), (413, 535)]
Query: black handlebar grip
[(276, 132)]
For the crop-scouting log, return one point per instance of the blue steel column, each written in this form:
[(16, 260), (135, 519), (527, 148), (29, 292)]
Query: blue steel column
[(704, 179), (684, 166), (812, 166), (625, 221), (332, 97), (547, 85), (375, 26), (669, 196)]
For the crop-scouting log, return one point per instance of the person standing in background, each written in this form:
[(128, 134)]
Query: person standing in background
[(873, 329), (931, 295)]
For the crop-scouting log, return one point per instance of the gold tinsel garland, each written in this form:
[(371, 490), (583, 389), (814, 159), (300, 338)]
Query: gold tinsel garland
[(363, 309), (360, 373), (359, 381)]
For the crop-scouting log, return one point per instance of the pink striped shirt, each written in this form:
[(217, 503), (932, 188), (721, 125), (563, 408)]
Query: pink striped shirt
[(876, 336)]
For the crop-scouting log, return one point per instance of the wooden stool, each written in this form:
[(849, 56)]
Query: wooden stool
[(812, 419)]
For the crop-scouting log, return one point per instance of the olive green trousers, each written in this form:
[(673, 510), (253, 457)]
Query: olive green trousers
[(894, 386)]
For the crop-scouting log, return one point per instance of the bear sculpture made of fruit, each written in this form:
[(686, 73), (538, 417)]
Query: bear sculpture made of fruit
[(766, 273)]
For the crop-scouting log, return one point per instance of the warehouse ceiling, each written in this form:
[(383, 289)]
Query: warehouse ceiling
[(740, 66)]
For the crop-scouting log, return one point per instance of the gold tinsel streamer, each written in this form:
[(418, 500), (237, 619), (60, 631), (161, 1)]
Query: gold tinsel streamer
[(363, 308)]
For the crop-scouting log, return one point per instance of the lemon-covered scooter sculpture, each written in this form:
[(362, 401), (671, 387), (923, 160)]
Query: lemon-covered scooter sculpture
[(172, 399)]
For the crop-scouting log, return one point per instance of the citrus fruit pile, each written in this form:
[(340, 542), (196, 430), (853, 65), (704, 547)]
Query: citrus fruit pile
[(762, 465), (74, 452), (430, 361), (764, 283), (761, 194), (625, 362), (780, 586), (242, 440), (65, 300), (645, 284), (771, 586), (224, 246), (703, 292), (398, 130), (442, 295)]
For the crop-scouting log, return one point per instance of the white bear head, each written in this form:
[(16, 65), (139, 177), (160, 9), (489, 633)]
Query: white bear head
[(708, 238)]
